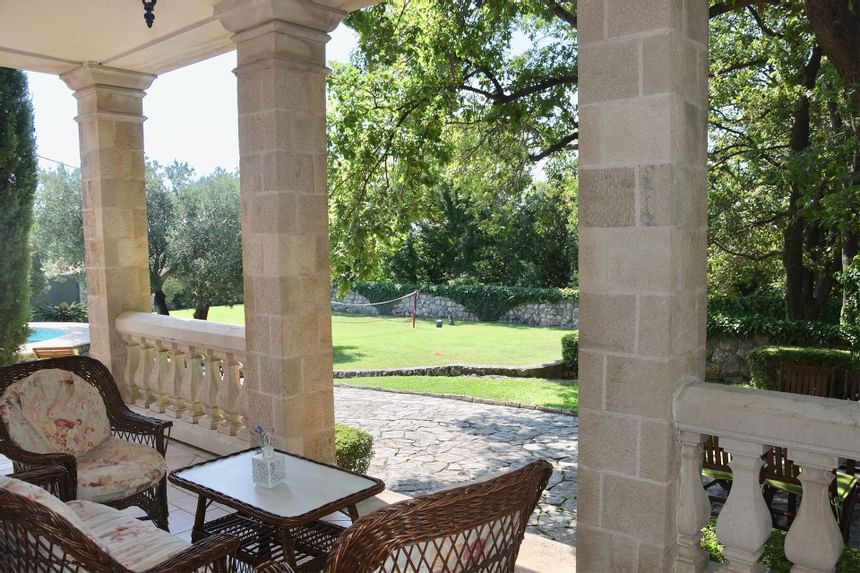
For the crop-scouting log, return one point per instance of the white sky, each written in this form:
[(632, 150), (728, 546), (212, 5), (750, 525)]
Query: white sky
[(191, 113)]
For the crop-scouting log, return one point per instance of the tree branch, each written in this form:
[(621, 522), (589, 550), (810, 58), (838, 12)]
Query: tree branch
[(760, 21), (722, 7), (499, 97), (561, 12), (557, 146), (768, 255)]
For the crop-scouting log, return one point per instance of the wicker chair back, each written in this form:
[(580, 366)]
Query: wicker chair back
[(477, 528)]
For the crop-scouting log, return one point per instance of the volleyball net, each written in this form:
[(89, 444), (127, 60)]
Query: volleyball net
[(404, 306)]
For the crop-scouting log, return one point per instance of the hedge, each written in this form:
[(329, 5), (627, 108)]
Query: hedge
[(570, 351), (487, 302), (782, 332), (353, 448), (765, 362), (766, 307)]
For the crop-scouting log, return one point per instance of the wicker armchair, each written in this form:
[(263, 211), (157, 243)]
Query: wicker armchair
[(41, 534), (69, 412), (476, 528)]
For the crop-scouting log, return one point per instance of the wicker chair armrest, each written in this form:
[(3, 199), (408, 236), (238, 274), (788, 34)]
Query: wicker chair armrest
[(55, 479), (150, 431), (202, 553), (273, 567), (26, 460)]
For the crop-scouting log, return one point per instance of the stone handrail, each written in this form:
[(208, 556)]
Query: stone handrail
[(186, 369), (816, 431)]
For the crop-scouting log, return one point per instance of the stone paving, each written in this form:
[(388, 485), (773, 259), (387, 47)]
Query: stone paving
[(424, 444)]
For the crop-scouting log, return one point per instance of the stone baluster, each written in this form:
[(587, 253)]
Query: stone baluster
[(814, 542), (131, 365), (693, 506), (744, 524), (212, 381), (142, 375), (229, 397), (192, 384), (158, 379), (178, 365)]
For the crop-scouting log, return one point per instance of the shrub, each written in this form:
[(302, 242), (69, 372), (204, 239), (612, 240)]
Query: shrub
[(353, 448), (63, 312), (786, 332), (487, 302), (570, 351), (774, 552), (765, 362)]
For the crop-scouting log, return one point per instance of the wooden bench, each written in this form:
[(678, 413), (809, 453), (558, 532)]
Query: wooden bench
[(54, 351)]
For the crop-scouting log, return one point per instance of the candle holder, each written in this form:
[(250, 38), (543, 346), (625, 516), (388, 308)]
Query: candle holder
[(269, 468)]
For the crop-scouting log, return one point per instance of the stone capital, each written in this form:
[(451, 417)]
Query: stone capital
[(240, 16), (91, 75)]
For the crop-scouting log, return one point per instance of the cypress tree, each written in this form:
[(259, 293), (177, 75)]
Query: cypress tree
[(17, 189)]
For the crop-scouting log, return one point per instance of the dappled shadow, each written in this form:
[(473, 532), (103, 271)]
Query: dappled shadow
[(344, 354), (568, 397)]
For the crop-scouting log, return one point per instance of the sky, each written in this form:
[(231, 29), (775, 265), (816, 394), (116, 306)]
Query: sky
[(191, 113)]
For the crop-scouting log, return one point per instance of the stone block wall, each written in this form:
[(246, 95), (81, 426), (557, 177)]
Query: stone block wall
[(727, 357), (562, 314)]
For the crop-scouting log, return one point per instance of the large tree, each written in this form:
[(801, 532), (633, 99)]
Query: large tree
[(206, 243), (58, 235), (17, 188), (505, 73)]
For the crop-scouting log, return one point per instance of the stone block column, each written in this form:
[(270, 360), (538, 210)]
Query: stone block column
[(643, 247), (110, 122), (281, 78)]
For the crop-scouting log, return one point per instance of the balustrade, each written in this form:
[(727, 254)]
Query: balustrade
[(817, 433), (187, 370)]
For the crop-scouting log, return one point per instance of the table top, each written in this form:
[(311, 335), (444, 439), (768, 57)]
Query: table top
[(312, 489)]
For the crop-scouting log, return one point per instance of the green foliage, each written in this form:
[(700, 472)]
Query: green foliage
[(162, 186), (63, 312), (765, 362), (570, 351), (849, 279), (17, 189), (58, 234), (530, 242), (353, 448), (206, 243), (487, 302), (774, 552), (468, 95), (793, 332), (780, 192)]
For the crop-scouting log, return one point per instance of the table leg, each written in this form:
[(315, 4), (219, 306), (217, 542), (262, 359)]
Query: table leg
[(198, 532), (289, 548), (352, 510)]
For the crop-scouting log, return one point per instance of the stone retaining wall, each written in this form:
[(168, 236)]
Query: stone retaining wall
[(727, 357), (562, 314)]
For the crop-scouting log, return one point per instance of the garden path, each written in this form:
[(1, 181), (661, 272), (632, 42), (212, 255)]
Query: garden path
[(424, 444)]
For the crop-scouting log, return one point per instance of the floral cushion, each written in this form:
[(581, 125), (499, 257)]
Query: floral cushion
[(55, 411), (41, 496), (136, 544), (117, 469)]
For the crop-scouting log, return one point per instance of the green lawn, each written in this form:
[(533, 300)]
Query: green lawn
[(362, 342), (535, 391)]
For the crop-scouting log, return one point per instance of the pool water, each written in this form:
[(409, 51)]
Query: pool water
[(40, 334)]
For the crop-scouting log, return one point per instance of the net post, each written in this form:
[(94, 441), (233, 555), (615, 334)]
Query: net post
[(414, 307)]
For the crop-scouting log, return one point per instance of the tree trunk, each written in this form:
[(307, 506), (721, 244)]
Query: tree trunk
[(798, 279), (161, 302), (201, 309)]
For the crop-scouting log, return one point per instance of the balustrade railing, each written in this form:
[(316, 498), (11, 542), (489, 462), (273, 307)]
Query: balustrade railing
[(189, 370), (817, 432)]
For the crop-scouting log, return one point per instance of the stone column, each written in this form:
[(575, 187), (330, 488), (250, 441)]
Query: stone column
[(281, 75), (110, 122), (643, 246)]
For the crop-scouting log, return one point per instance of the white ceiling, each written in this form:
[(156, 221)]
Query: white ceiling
[(55, 36)]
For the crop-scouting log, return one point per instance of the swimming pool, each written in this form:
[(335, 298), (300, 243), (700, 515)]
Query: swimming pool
[(40, 333)]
